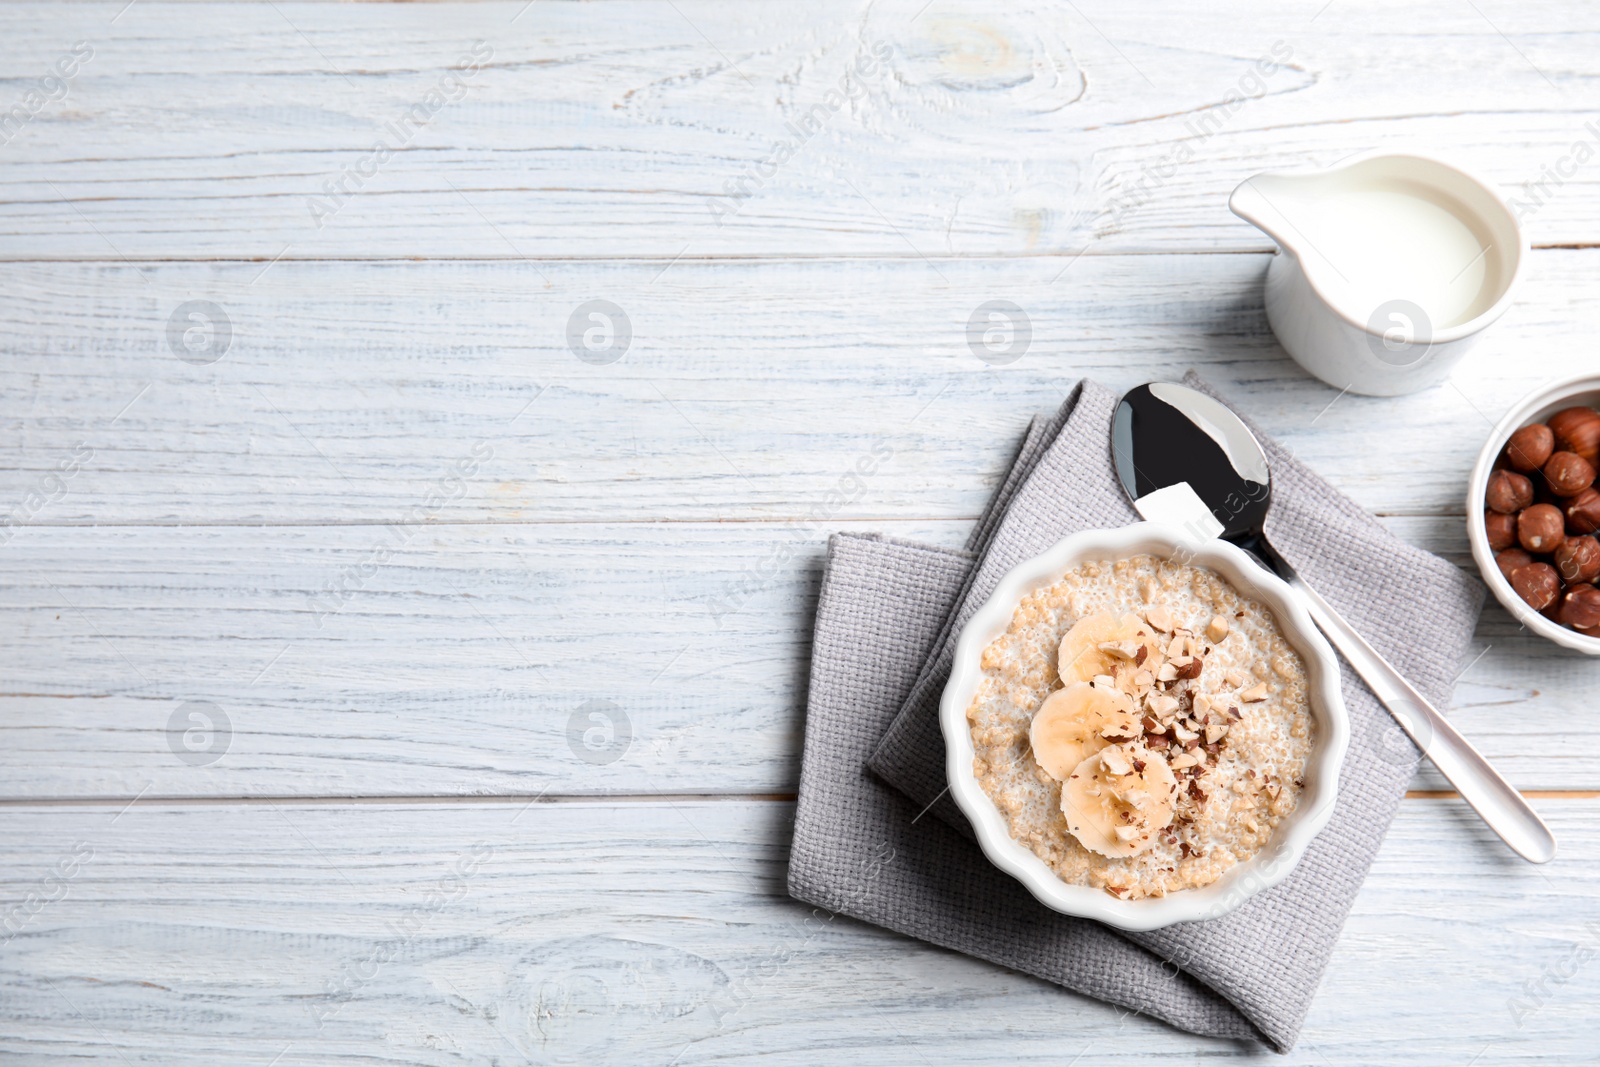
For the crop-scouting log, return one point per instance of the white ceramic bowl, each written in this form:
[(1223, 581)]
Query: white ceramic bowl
[(1535, 407), (1268, 867)]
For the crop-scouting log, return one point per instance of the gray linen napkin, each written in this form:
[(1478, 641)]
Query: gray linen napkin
[(887, 620)]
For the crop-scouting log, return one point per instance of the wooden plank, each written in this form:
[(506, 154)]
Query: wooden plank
[(1018, 128), (456, 662), (467, 659), (636, 933), (348, 392), (354, 536)]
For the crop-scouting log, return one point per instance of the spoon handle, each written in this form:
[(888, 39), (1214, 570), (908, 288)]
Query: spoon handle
[(1505, 810)]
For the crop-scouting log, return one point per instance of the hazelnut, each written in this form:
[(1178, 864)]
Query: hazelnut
[(1529, 447), (1568, 473), (1577, 559), (1502, 529), (1511, 559), (1537, 584), (1583, 512), (1580, 607), (1540, 528), (1577, 430), (1509, 492)]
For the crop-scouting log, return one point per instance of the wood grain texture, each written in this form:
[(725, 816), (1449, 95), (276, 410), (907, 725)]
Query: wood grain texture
[(456, 662), (1042, 126), (410, 545), (348, 391), (625, 933)]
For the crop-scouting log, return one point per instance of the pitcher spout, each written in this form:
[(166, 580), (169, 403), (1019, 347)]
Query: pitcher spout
[(1265, 202)]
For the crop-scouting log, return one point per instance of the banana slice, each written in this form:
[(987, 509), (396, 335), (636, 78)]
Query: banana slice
[(1077, 722), (1118, 799), (1105, 644)]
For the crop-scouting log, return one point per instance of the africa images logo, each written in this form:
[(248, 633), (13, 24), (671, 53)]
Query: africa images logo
[(199, 733)]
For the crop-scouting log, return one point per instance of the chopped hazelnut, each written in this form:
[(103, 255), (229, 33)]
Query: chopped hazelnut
[(1162, 704)]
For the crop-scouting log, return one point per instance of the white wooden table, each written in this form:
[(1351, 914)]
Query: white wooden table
[(294, 439)]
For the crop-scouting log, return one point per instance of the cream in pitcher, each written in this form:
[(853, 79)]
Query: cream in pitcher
[(1390, 267)]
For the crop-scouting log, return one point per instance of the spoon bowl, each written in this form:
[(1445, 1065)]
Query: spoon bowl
[(1165, 435)]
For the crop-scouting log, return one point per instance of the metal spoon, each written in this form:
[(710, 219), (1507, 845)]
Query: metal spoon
[(1185, 457)]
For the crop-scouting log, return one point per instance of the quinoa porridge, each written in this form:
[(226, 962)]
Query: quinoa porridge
[(1142, 726)]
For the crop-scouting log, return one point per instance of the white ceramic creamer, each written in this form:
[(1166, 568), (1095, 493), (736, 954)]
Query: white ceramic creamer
[(1390, 267)]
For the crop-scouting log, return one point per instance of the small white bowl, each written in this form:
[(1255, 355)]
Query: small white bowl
[(1582, 390), (1269, 866)]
